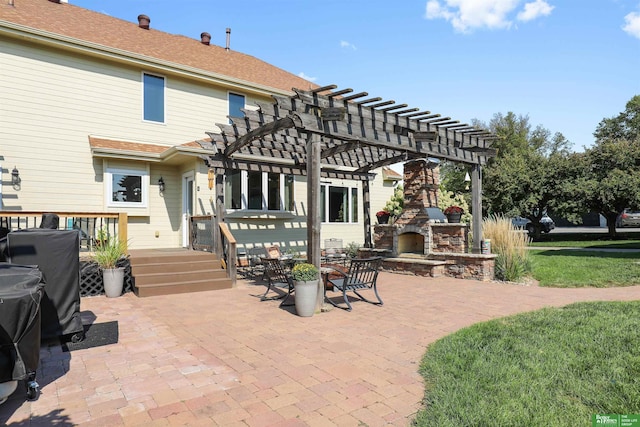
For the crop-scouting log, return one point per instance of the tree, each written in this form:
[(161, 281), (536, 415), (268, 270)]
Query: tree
[(529, 172), (611, 181), (625, 125)]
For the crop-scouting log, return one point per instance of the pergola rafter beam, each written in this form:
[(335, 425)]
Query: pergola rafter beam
[(273, 127)]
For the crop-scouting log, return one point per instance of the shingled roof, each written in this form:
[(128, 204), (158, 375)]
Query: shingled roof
[(83, 25)]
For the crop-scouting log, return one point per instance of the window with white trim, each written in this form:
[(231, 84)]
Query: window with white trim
[(127, 188), (261, 191), (153, 98), (338, 204)]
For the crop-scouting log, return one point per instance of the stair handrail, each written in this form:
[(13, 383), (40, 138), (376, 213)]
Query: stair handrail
[(230, 249)]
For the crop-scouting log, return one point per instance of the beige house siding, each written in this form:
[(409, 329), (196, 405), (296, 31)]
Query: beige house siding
[(46, 117), (54, 100), (291, 233)]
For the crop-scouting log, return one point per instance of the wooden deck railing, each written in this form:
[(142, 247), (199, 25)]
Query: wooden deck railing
[(88, 224), (206, 234)]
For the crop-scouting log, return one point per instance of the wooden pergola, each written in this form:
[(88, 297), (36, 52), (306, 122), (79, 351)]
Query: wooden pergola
[(333, 133)]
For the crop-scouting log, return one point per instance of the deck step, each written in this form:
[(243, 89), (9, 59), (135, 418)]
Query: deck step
[(173, 271)]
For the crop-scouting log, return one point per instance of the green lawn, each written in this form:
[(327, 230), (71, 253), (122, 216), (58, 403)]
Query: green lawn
[(553, 367), (573, 268), (589, 240)]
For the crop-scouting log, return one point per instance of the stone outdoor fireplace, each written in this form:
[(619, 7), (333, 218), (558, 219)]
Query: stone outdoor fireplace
[(420, 241), (419, 228)]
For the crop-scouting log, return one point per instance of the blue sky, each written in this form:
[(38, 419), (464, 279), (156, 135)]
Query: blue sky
[(566, 64)]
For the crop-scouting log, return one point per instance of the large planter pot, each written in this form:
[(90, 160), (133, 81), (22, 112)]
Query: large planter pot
[(305, 296), (113, 279), (454, 217)]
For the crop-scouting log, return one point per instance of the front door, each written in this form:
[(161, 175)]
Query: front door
[(187, 206)]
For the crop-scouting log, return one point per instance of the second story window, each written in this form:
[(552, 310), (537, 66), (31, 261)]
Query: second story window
[(153, 98), (236, 104)]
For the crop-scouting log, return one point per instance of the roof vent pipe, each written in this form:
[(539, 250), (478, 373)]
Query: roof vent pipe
[(144, 21), (228, 38), (205, 38)]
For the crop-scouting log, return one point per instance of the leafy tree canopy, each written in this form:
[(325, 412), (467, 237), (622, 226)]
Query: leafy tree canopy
[(625, 125)]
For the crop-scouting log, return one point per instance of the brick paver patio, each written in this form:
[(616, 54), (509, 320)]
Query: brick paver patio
[(226, 358)]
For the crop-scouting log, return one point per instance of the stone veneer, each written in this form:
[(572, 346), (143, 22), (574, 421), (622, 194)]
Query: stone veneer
[(414, 245)]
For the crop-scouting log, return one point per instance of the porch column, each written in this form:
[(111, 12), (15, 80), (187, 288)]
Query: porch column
[(476, 207)]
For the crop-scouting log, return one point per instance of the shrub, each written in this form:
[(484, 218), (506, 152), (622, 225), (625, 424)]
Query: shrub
[(395, 204), (352, 249), (510, 245), (304, 272)]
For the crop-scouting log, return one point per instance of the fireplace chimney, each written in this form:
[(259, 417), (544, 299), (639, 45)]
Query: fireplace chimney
[(228, 38), (205, 38), (144, 21)]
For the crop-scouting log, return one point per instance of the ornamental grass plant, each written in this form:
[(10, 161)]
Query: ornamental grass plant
[(510, 245), (109, 253)]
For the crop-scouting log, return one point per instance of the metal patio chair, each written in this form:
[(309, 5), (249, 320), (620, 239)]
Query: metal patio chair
[(361, 275), (278, 277)]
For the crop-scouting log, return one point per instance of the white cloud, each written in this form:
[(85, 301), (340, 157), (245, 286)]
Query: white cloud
[(469, 15), (632, 24), (535, 10), (304, 76), (347, 45)]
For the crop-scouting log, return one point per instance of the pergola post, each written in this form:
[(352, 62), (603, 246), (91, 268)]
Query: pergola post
[(366, 206), (313, 198), (476, 207), (314, 149)]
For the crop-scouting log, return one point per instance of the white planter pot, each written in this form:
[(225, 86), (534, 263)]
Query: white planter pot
[(305, 297), (113, 279)]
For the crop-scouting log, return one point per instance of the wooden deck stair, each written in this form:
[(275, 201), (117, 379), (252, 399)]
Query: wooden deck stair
[(174, 271)]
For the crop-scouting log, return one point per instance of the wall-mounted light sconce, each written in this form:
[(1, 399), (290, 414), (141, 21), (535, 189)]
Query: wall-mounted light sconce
[(15, 177), (161, 185)]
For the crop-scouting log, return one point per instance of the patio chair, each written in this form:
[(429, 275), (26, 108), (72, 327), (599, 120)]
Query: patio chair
[(255, 256), (361, 275), (278, 277), (333, 252)]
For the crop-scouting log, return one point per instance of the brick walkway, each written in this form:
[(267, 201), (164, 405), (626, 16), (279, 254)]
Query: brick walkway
[(226, 358)]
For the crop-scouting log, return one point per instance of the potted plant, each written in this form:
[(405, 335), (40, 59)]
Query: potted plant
[(306, 279), (453, 213), (107, 256), (383, 217)]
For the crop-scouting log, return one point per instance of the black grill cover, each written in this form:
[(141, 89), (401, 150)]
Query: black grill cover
[(21, 289), (57, 254)]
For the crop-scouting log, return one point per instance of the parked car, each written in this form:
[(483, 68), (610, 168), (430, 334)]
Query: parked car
[(546, 224), (628, 218)]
